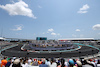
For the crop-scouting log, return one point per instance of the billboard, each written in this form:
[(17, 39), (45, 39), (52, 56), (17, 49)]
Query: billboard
[(41, 38)]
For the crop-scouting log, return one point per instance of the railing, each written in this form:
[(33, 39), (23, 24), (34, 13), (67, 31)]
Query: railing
[(88, 46), (53, 51), (7, 48)]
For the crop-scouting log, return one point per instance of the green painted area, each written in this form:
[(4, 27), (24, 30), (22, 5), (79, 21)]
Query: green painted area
[(72, 49), (87, 45), (8, 48), (59, 50)]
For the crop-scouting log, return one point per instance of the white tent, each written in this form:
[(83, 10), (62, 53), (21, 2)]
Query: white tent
[(77, 39)]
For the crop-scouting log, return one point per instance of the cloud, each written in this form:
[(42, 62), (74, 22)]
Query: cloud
[(18, 27), (39, 6), (50, 30), (96, 27), (18, 8), (84, 9), (77, 30), (53, 33)]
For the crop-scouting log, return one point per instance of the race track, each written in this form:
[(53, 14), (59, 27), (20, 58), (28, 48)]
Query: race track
[(16, 51)]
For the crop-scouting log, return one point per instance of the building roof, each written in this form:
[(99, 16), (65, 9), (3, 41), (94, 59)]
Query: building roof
[(2, 38), (77, 39)]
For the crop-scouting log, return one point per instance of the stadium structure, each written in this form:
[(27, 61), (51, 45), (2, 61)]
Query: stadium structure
[(74, 47)]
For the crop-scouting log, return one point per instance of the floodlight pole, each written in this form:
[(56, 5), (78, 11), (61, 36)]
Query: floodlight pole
[(1, 32), (1, 50)]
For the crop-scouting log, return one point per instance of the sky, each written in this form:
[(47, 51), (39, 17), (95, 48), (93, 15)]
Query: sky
[(54, 19)]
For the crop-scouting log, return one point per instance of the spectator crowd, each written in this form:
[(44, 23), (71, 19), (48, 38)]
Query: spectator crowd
[(48, 62)]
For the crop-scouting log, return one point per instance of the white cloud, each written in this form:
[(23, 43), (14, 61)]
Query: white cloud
[(18, 8), (53, 33), (77, 30), (84, 9), (50, 30), (96, 27), (39, 6), (56, 34), (18, 27)]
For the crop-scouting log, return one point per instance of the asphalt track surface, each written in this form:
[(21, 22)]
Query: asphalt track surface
[(16, 51)]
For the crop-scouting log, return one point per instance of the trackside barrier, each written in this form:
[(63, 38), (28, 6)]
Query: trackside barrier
[(22, 48), (8, 47), (95, 55), (54, 51), (88, 46), (67, 50)]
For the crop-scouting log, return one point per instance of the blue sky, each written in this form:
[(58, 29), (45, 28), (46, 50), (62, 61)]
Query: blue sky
[(54, 19)]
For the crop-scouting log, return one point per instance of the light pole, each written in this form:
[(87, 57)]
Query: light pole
[(1, 50)]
